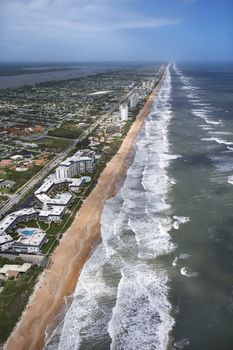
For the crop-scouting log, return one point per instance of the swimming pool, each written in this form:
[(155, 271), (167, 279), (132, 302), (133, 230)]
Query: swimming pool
[(86, 178), (28, 232)]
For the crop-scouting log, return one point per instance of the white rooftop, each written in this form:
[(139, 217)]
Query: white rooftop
[(9, 219), (47, 184), (20, 268), (54, 211), (75, 182), (4, 238), (59, 199), (34, 240)]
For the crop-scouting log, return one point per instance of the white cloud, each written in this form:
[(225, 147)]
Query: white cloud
[(80, 16)]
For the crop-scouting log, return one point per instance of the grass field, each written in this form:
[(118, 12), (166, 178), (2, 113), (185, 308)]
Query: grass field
[(21, 177), (68, 130), (52, 144)]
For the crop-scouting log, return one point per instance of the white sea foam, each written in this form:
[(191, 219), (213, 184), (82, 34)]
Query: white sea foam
[(175, 261), (206, 127), (179, 220), (131, 326), (218, 140), (213, 122), (141, 318), (182, 256), (188, 272), (230, 179), (222, 133)]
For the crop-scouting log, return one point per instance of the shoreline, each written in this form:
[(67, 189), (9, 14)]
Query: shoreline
[(75, 247)]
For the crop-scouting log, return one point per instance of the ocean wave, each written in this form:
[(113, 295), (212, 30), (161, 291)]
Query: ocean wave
[(213, 122), (206, 127), (141, 318), (218, 140), (179, 220), (188, 272), (182, 343), (182, 256), (230, 179)]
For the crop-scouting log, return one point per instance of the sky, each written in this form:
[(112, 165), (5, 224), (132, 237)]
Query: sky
[(116, 30)]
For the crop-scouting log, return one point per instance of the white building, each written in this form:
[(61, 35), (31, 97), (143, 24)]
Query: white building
[(75, 184), (31, 244), (148, 84), (52, 214), (64, 171), (60, 199), (133, 100), (123, 109), (12, 219), (80, 162)]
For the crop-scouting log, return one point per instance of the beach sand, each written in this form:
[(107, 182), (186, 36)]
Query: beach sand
[(74, 249)]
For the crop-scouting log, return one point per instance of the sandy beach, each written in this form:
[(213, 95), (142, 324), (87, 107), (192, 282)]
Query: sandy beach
[(74, 249)]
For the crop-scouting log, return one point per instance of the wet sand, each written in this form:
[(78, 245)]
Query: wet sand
[(74, 249)]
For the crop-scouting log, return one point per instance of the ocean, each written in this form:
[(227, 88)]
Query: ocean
[(162, 278)]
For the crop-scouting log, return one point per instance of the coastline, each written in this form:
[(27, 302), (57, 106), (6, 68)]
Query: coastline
[(75, 247)]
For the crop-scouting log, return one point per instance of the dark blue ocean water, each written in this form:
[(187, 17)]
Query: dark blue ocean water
[(162, 278), (202, 132)]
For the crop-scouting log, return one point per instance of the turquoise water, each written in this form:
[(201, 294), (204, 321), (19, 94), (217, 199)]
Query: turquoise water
[(28, 232), (86, 178)]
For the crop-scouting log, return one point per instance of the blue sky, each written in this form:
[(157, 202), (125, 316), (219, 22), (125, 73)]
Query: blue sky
[(116, 30)]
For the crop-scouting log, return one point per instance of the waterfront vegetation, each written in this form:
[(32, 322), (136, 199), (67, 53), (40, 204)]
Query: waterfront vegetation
[(14, 298)]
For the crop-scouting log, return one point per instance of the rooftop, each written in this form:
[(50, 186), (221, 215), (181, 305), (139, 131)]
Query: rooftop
[(34, 240)]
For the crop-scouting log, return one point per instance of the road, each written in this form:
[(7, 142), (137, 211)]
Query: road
[(22, 192)]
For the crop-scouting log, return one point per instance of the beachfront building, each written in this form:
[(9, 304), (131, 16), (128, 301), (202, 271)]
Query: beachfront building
[(81, 162), (148, 84), (75, 185), (24, 244), (133, 100), (61, 199), (29, 244), (10, 270), (124, 110), (51, 214)]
